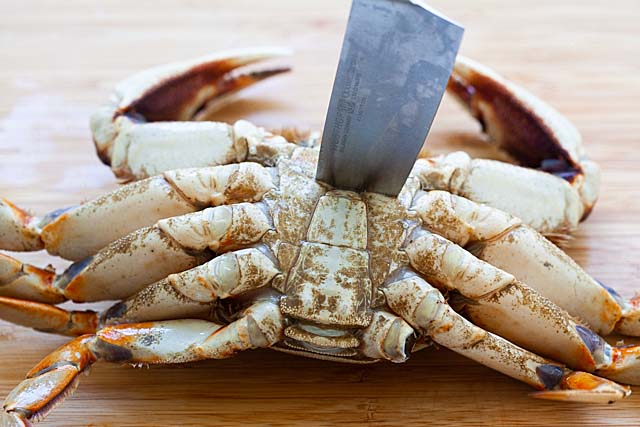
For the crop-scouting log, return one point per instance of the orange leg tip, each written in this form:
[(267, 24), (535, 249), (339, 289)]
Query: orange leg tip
[(582, 396), (585, 388)]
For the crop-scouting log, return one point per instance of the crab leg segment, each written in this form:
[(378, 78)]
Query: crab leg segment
[(174, 341), (194, 292), (388, 337), (144, 128), (504, 242), (507, 307), (48, 383), (47, 318), (80, 232), (425, 309)]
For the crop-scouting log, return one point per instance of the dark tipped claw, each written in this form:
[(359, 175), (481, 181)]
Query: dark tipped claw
[(550, 375), (593, 341), (528, 129), (63, 280), (182, 95), (53, 215), (114, 312)]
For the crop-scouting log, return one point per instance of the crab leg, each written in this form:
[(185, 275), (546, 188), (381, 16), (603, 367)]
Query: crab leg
[(503, 241), (48, 318), (509, 308), (553, 198), (78, 232), (147, 127), (194, 292), (186, 295), (426, 310), (176, 341)]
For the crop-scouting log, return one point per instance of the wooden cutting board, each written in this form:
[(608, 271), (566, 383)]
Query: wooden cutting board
[(59, 61)]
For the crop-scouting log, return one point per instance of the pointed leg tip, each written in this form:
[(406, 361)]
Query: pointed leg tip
[(585, 388), (71, 280), (263, 74), (583, 396)]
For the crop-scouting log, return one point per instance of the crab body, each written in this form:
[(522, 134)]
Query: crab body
[(225, 242)]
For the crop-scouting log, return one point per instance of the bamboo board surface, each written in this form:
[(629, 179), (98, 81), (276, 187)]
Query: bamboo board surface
[(59, 60)]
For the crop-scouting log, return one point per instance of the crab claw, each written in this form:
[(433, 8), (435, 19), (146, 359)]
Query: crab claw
[(538, 137), (178, 92), (585, 388)]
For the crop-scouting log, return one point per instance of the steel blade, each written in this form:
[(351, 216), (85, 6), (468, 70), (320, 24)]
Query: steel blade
[(396, 59)]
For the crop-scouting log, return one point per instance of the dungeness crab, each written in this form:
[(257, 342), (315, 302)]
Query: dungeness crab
[(225, 242)]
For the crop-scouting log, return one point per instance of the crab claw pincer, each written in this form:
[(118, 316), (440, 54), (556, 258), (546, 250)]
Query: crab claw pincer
[(151, 110), (547, 146)]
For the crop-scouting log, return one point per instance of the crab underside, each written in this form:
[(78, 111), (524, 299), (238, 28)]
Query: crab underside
[(224, 242)]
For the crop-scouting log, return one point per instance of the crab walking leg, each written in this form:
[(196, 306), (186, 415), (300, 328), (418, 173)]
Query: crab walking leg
[(509, 308), (186, 295), (538, 137), (503, 241), (426, 310), (142, 131), (83, 231), (503, 305), (48, 318), (193, 293), (78, 232), (176, 341)]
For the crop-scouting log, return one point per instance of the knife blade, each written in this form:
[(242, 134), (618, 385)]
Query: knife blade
[(396, 59)]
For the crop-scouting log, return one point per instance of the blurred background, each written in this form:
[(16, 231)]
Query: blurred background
[(60, 60)]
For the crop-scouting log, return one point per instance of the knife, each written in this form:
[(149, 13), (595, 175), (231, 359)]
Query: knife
[(396, 59)]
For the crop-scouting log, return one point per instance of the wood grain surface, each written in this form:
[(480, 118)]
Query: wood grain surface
[(58, 62)]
